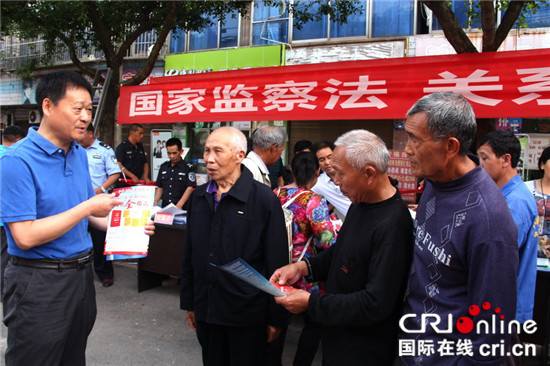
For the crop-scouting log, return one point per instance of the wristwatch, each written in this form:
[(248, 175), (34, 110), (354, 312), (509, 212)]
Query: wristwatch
[(102, 189)]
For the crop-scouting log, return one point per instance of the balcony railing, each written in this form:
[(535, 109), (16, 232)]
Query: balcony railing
[(14, 52)]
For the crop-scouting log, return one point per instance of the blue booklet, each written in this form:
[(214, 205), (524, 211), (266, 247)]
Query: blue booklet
[(240, 269)]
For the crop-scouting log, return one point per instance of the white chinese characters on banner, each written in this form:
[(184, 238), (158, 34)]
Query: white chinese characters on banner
[(146, 103), (498, 84), (284, 97), (236, 99), (463, 86), (541, 79), (356, 94), (183, 101)]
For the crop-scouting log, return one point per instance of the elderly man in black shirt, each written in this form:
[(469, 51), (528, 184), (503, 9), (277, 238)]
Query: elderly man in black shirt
[(233, 216), (366, 269), (176, 178)]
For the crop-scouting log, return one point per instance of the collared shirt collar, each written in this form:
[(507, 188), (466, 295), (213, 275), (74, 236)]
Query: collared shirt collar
[(240, 190), (511, 184), (46, 144), (179, 164), (94, 145), (253, 156)]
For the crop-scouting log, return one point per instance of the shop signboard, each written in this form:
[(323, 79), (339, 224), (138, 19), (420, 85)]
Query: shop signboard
[(536, 143), (223, 60), (497, 84), (400, 169)]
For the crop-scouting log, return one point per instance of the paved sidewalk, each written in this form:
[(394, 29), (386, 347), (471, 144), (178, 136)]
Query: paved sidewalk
[(147, 328)]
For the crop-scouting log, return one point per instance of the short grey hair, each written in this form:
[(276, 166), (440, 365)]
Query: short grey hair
[(449, 115), (238, 139), (267, 135), (364, 148)]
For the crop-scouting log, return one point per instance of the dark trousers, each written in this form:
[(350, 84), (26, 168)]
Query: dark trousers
[(103, 268), (309, 341), (49, 315), (275, 349), (235, 346), (4, 257)]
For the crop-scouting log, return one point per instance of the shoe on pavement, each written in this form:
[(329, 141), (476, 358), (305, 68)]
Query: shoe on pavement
[(108, 282)]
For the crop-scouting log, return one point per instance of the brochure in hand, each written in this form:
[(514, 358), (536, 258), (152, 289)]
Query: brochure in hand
[(126, 236), (240, 269)]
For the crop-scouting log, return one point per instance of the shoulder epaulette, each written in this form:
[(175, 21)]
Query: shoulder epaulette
[(104, 145)]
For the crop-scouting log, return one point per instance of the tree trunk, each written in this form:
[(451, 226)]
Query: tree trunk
[(451, 27), (484, 126), (106, 130)]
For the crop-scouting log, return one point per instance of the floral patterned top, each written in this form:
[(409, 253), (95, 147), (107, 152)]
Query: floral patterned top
[(311, 217)]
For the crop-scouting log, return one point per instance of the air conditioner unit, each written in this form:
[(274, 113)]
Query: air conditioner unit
[(34, 117)]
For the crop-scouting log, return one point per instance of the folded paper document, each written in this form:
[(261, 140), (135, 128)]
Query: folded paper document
[(239, 268)]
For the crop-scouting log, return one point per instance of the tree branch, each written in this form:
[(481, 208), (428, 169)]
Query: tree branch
[(153, 55), (488, 22), (133, 36), (508, 20), (74, 57), (451, 27), (101, 31)]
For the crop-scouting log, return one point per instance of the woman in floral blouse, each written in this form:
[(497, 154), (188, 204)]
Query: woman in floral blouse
[(312, 219)]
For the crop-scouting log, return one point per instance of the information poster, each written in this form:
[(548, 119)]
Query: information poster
[(400, 169), (536, 144), (158, 150), (126, 230)]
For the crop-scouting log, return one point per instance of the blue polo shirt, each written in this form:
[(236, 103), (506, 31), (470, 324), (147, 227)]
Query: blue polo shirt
[(524, 212), (38, 180)]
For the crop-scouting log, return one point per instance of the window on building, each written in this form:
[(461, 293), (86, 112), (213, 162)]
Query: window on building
[(460, 9), (229, 31), (541, 18), (269, 24), (143, 44), (177, 41), (356, 25), (392, 18), (218, 35), (312, 29)]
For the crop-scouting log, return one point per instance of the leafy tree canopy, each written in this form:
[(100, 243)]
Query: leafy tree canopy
[(113, 26)]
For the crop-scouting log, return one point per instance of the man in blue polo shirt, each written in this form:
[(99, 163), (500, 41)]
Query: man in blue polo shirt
[(499, 153), (47, 198)]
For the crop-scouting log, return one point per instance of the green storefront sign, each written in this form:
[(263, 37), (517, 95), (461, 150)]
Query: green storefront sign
[(221, 60)]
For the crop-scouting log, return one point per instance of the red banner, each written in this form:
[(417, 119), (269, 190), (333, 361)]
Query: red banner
[(497, 84)]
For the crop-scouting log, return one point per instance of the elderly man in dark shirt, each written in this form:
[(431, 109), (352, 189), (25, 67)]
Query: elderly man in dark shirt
[(233, 216), (366, 269)]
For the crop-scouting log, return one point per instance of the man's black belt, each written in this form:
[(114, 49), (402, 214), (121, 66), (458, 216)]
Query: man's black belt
[(59, 264)]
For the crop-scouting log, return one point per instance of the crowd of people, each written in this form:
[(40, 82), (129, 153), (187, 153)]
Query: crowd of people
[(373, 285)]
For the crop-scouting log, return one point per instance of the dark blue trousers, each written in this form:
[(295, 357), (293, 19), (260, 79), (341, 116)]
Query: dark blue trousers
[(49, 315)]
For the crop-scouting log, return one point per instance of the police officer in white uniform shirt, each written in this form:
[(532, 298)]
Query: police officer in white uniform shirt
[(104, 172), (176, 177)]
